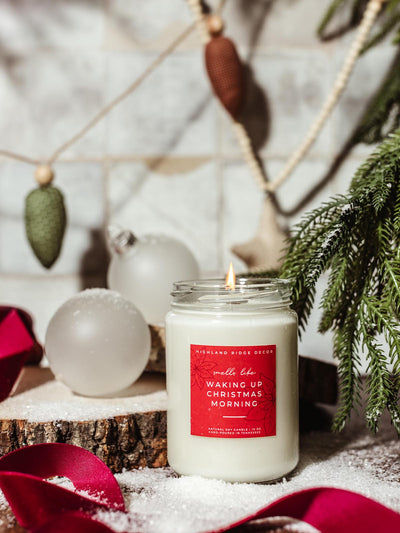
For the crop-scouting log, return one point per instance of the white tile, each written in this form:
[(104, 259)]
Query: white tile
[(312, 343), (242, 203), (184, 206), (45, 98), (42, 295), (150, 26), (295, 83), (83, 249), (172, 112), (304, 190), (27, 25), (366, 78), (243, 200), (346, 173), (263, 24)]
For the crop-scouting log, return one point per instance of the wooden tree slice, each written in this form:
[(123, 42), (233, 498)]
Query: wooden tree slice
[(126, 431)]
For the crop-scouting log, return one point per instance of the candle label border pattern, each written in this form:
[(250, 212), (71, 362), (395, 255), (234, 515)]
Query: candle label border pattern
[(233, 391)]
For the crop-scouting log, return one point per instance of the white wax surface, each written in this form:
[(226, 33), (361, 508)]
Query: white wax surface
[(232, 459)]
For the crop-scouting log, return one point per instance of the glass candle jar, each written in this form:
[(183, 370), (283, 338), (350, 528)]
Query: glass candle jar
[(232, 380)]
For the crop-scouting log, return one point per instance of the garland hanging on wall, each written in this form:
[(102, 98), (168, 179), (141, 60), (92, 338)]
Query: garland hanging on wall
[(209, 38), (264, 251), (45, 214)]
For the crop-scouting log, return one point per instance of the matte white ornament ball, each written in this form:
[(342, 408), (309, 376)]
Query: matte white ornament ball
[(144, 270), (97, 343)]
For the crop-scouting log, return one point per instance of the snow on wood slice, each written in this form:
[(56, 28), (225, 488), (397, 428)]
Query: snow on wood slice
[(125, 431)]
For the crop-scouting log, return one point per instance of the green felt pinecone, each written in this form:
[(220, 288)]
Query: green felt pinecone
[(45, 221)]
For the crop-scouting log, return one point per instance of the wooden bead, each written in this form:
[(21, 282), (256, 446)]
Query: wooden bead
[(44, 174), (215, 25)]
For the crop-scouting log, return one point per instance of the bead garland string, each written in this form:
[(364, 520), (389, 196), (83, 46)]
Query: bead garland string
[(370, 15), (240, 132), (371, 12), (103, 112)]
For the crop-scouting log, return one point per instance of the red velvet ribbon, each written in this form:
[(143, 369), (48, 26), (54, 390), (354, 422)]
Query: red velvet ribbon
[(40, 505), (35, 353), (16, 342), (331, 510), (43, 507)]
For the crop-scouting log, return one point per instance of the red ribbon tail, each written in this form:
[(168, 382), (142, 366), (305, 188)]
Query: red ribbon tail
[(331, 510), (10, 369), (16, 342), (35, 501)]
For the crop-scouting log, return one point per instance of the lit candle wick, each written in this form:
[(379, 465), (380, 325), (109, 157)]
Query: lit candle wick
[(230, 278)]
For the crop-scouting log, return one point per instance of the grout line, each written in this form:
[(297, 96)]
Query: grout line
[(125, 158), (45, 276), (220, 188), (234, 156), (106, 11), (106, 196)]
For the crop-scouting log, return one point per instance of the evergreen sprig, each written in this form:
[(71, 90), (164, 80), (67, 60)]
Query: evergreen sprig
[(382, 115), (352, 11), (357, 238)]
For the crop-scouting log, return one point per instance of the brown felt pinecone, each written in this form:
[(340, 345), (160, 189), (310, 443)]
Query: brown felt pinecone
[(226, 74)]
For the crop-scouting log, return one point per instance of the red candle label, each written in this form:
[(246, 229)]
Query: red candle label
[(233, 391)]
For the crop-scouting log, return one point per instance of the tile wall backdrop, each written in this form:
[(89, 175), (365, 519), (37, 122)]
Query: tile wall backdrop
[(165, 160)]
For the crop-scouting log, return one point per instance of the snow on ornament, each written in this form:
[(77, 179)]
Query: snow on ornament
[(144, 270), (97, 343)]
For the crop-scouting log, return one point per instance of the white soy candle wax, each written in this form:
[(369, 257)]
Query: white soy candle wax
[(232, 380)]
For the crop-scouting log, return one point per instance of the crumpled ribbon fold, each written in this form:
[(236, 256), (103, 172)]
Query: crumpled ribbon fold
[(35, 501), (330, 510), (18, 346), (43, 507)]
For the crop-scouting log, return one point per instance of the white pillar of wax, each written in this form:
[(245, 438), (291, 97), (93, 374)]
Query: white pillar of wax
[(232, 380)]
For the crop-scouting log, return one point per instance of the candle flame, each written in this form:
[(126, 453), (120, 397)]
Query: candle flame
[(230, 278)]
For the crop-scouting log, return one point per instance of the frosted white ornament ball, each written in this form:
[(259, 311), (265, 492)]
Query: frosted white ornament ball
[(144, 270), (97, 343)]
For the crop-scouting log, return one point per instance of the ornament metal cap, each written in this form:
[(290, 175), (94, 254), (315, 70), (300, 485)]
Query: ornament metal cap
[(120, 239)]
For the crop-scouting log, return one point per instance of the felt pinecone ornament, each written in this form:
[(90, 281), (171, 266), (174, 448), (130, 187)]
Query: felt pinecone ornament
[(45, 218), (224, 69)]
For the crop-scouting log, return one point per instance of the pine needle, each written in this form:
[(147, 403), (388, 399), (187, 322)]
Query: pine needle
[(357, 238)]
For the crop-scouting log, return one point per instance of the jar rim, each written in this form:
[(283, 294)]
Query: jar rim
[(249, 292)]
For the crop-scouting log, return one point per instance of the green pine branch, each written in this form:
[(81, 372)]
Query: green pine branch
[(357, 239), (346, 344), (351, 11), (382, 115)]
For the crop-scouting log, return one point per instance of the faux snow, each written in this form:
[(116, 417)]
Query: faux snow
[(52, 400), (159, 501)]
